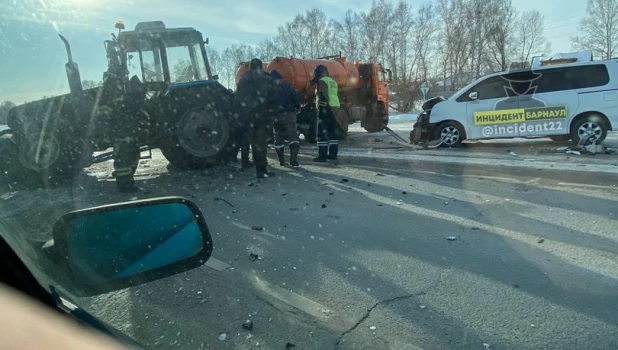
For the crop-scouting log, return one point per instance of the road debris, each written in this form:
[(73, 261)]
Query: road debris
[(404, 192), (284, 194), (218, 199), (133, 198), (486, 346), (451, 238), (331, 193), (345, 180), (540, 241), (373, 328), (289, 345), (248, 325), (323, 205), (257, 228), (254, 257), (577, 153), (222, 337), (422, 306), (513, 154)]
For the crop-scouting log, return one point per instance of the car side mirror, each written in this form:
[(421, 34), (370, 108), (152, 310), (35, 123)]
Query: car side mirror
[(117, 246), (473, 96), (215, 77)]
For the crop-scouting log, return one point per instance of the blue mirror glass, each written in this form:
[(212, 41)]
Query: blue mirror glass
[(133, 242)]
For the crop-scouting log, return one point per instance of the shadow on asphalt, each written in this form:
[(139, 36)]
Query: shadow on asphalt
[(504, 265)]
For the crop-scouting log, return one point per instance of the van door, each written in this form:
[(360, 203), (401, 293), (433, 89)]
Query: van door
[(493, 106), (548, 104)]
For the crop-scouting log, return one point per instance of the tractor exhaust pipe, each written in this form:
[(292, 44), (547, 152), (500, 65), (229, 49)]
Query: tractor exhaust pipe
[(72, 69)]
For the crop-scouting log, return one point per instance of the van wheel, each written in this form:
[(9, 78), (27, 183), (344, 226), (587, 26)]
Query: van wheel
[(592, 125), (560, 138), (450, 133)]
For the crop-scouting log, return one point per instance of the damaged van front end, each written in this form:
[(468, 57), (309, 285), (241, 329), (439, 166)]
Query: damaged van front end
[(422, 131)]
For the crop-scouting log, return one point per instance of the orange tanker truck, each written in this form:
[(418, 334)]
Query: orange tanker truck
[(363, 90)]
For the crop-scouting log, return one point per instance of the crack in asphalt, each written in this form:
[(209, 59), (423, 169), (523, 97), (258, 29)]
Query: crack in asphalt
[(388, 301)]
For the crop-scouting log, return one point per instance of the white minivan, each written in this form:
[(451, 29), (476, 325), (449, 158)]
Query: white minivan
[(563, 102)]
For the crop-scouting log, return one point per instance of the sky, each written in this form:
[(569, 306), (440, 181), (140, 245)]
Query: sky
[(32, 57)]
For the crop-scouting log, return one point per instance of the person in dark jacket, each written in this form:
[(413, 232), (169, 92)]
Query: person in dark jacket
[(285, 120), (257, 102)]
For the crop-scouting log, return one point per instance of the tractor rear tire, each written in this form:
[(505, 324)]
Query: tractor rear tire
[(200, 138)]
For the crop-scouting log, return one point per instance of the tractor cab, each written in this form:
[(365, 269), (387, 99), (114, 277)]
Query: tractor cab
[(159, 57)]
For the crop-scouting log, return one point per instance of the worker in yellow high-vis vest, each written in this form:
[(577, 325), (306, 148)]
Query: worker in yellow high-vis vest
[(327, 104)]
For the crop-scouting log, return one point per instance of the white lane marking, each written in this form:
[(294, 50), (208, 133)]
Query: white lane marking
[(549, 165), (571, 184), (217, 264), (295, 300)]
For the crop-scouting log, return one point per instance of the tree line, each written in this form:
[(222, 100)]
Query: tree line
[(446, 43)]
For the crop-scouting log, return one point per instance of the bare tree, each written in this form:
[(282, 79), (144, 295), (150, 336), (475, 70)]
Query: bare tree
[(501, 34), (89, 84), (347, 39), (374, 30), (308, 35), (599, 29), (530, 35), (456, 34), (214, 59), (5, 107)]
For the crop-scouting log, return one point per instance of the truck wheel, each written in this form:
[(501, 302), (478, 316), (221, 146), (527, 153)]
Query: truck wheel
[(376, 123), (560, 138), (592, 125), (198, 140), (450, 133)]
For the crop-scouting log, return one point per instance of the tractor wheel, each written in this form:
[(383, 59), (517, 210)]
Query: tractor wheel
[(199, 139), (42, 161), (11, 169)]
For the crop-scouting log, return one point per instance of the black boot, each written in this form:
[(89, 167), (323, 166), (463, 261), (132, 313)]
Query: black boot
[(333, 150), (263, 172), (322, 154), (244, 158), (294, 148), (281, 155), (126, 184)]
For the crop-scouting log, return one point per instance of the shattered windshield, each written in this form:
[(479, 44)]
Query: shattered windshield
[(351, 201)]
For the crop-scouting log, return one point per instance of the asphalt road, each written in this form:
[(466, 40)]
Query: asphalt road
[(356, 256)]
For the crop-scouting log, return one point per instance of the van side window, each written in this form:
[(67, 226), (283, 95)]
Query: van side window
[(588, 76), (568, 78), (487, 89), (552, 80)]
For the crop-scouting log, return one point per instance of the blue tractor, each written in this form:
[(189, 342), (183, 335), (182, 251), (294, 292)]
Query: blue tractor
[(178, 105)]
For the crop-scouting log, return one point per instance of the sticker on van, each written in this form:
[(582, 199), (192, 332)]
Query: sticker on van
[(520, 115)]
